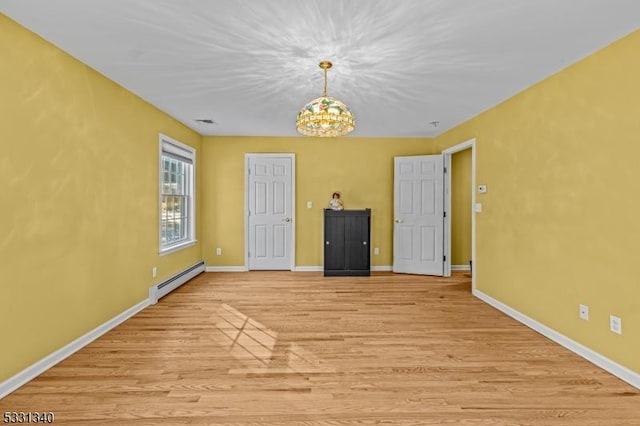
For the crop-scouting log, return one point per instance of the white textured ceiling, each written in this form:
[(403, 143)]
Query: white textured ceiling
[(399, 65)]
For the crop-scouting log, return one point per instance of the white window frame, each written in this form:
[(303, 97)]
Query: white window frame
[(177, 150)]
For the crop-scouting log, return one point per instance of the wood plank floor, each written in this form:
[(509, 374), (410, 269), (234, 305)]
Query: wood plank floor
[(282, 348)]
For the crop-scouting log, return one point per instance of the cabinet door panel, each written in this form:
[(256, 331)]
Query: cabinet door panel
[(357, 243), (334, 244)]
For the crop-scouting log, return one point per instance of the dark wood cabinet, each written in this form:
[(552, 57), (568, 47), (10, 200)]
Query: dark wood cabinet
[(346, 242)]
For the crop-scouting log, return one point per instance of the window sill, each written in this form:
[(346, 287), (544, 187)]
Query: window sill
[(177, 247)]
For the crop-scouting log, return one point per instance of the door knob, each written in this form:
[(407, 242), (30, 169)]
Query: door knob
[(398, 220), (286, 219)]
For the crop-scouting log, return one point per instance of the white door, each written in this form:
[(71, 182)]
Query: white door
[(270, 207), (418, 204)]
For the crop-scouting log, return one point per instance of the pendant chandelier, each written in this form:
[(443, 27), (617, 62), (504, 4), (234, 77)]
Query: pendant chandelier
[(325, 116)]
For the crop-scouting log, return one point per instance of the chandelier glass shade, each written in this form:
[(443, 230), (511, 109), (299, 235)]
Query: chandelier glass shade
[(325, 116)]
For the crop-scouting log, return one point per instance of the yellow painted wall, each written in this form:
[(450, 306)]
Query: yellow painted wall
[(79, 172), (559, 225), (361, 168), (461, 208)]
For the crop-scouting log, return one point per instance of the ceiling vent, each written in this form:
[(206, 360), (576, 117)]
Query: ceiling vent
[(205, 121)]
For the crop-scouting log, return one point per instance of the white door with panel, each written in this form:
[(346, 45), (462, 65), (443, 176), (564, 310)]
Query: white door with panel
[(418, 232), (270, 207)]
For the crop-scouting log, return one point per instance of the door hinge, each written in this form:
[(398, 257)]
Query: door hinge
[(445, 170), (445, 214), (444, 258)]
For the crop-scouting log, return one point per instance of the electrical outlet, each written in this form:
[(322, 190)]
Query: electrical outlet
[(376, 251), (219, 251), (584, 312), (615, 324), (154, 272), (309, 204)]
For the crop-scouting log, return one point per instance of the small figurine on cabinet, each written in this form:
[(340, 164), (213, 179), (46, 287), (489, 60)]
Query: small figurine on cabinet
[(336, 202)]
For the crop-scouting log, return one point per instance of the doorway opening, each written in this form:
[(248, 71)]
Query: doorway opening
[(448, 153)]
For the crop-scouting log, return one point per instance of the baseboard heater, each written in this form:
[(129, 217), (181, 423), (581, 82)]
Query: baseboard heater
[(167, 286)]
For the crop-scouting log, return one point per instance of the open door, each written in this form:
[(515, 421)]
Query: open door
[(419, 215)]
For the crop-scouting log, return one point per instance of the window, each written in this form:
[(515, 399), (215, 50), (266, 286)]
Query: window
[(177, 212)]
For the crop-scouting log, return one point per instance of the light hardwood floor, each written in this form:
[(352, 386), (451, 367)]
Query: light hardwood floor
[(282, 348)]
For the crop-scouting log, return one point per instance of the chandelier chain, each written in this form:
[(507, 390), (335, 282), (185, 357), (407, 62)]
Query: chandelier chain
[(324, 93)]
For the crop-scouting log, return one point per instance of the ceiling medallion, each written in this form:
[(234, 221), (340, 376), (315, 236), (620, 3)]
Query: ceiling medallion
[(325, 116)]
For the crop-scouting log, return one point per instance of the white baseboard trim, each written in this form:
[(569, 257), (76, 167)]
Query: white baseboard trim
[(379, 268), (309, 269), (460, 268), (321, 268), (52, 359), (590, 355), (382, 268), (296, 269), (226, 269)]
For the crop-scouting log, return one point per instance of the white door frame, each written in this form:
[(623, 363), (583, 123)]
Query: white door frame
[(247, 157), (471, 143)]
